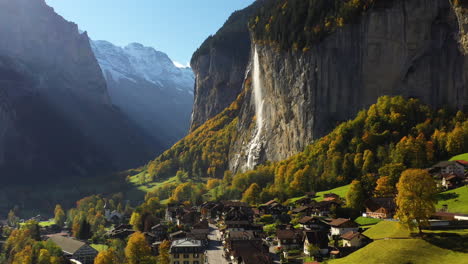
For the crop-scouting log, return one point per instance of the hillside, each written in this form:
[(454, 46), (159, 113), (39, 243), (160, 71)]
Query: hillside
[(456, 200), (391, 135), (415, 251)]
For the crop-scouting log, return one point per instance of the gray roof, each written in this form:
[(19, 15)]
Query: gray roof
[(186, 243), (68, 245)]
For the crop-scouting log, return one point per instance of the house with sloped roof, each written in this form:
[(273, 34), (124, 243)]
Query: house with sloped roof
[(341, 226), (75, 249), (187, 251), (381, 208), (289, 238), (449, 167), (354, 239), (316, 238), (248, 252)]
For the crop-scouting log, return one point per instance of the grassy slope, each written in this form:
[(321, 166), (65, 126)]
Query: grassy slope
[(99, 247), (387, 229), (456, 199), (414, 251), (461, 157), (341, 191), (366, 221)]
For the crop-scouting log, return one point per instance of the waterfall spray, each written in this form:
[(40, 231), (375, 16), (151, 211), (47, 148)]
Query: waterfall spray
[(255, 144)]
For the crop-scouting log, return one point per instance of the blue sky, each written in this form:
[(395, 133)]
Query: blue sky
[(176, 27)]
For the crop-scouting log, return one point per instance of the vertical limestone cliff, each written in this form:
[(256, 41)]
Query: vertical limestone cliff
[(414, 48)]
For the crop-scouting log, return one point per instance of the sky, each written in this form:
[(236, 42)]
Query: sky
[(176, 27)]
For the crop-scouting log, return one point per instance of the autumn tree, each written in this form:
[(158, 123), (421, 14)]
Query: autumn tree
[(107, 257), (44, 256), (355, 196), (416, 198), (164, 257), (251, 195), (138, 251), (59, 217), (384, 187)]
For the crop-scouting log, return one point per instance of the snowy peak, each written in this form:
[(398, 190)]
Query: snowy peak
[(137, 62)]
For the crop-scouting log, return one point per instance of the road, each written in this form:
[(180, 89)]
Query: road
[(214, 252)]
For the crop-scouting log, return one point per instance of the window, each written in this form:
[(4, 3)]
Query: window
[(186, 262), (176, 262), (195, 256), (186, 256), (195, 262), (176, 255)]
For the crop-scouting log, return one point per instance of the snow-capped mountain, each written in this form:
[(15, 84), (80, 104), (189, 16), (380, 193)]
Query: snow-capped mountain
[(138, 61), (147, 86)]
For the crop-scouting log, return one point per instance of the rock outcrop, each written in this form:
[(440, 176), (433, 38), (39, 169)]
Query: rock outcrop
[(220, 65), (413, 48)]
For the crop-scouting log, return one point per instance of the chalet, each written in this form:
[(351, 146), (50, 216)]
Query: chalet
[(341, 226), (248, 252), (324, 208), (187, 251), (211, 210), (120, 232), (303, 201), (311, 222), (305, 210), (450, 181), (331, 197), (237, 225), (449, 167), (289, 238), (159, 231), (75, 249), (272, 207), (198, 234), (381, 208), (354, 239), (177, 235), (241, 235), (318, 239), (188, 217)]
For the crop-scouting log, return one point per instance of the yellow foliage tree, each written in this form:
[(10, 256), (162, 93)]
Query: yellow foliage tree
[(384, 187), (106, 257), (251, 195), (59, 215), (164, 257), (138, 251), (416, 198)]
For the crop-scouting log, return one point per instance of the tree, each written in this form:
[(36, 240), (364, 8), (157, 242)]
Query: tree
[(84, 230), (416, 198), (164, 257), (355, 195), (384, 187), (251, 195), (107, 257), (44, 256), (13, 220), (59, 217), (137, 251)]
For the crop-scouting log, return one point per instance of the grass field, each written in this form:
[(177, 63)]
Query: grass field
[(387, 229), (456, 200), (404, 251), (460, 157), (341, 191), (365, 221), (99, 247)]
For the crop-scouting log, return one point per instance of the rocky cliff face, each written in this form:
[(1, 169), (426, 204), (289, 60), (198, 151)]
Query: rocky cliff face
[(413, 48), (146, 85), (220, 65), (61, 113)]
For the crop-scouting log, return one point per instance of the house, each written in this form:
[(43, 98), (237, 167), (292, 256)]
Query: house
[(324, 208), (75, 249), (289, 238), (450, 181), (381, 208), (185, 251), (450, 167), (331, 197), (341, 226), (177, 235), (120, 232), (159, 231), (237, 225), (318, 239), (354, 239), (310, 222), (248, 252), (304, 210)]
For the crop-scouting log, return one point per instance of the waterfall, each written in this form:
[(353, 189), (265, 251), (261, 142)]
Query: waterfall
[(256, 144)]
